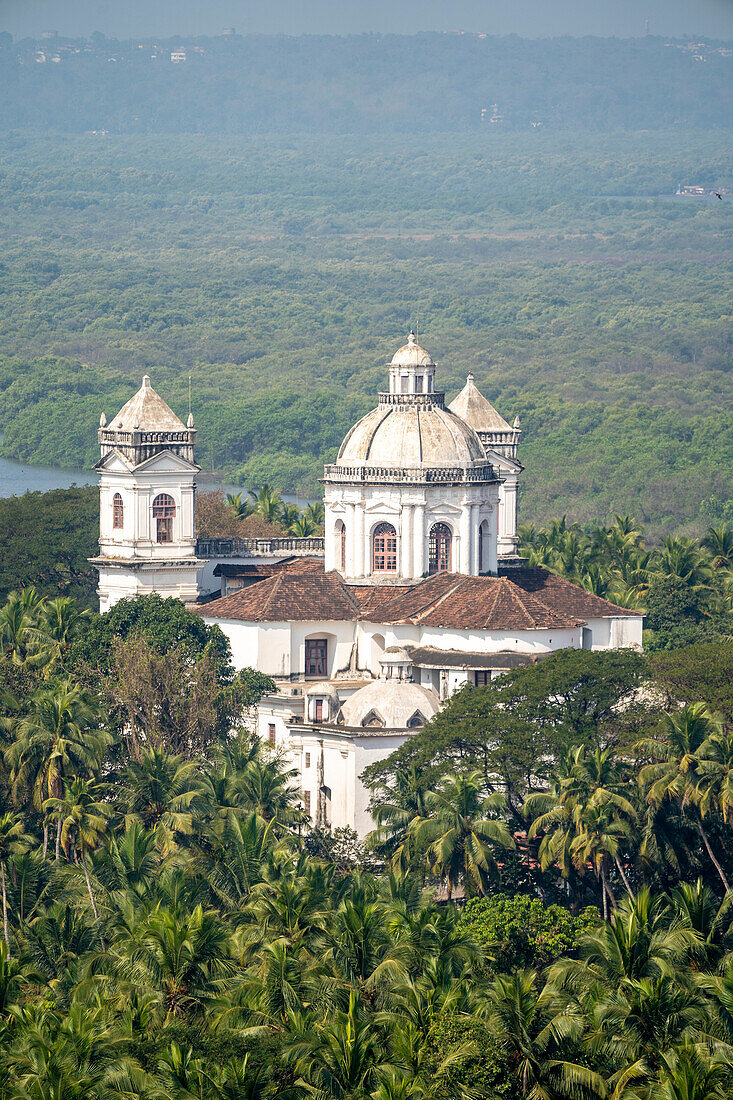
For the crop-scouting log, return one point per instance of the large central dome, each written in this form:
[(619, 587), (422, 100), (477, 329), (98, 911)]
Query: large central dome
[(411, 429), (411, 436)]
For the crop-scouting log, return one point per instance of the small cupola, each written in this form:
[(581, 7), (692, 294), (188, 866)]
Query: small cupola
[(411, 370), (395, 664)]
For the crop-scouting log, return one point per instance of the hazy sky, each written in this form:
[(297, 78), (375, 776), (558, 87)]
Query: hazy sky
[(533, 18)]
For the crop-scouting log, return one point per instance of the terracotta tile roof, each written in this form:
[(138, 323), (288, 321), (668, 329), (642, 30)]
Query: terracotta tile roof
[(564, 596), (373, 597), (289, 597), (518, 599), (457, 602)]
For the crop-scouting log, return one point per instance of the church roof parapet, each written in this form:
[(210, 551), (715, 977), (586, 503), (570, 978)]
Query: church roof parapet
[(419, 475)]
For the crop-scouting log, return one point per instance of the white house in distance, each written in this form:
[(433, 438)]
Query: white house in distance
[(415, 590)]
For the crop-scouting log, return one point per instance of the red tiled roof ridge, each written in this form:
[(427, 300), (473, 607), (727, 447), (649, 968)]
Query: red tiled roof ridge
[(522, 597)]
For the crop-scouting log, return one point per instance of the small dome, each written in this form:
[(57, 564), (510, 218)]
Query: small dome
[(411, 355), (390, 704), (411, 437), (324, 688)]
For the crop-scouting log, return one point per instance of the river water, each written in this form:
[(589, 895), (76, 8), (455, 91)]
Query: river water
[(17, 478)]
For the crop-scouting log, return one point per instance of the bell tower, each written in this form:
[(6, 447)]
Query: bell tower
[(147, 487)]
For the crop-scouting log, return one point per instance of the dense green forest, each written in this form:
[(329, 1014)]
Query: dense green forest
[(282, 275), (367, 83), (173, 928)]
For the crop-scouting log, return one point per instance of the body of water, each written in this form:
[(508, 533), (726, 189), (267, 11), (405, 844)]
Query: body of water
[(17, 478)]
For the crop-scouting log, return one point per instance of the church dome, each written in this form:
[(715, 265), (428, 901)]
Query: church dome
[(411, 355), (390, 704), (411, 436)]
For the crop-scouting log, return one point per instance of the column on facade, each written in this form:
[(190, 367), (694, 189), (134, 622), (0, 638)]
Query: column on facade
[(510, 510), (350, 540), (418, 539), (464, 540), (491, 560), (406, 568), (473, 537), (359, 569), (188, 524)]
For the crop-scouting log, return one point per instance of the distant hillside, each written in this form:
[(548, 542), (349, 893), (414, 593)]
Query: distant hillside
[(362, 84), (283, 274)]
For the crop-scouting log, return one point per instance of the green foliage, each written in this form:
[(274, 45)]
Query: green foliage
[(520, 932), (558, 267), (316, 84), (170, 928), (46, 539), (164, 623), (484, 1065), (698, 673)]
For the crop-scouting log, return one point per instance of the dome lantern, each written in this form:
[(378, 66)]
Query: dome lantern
[(411, 369)]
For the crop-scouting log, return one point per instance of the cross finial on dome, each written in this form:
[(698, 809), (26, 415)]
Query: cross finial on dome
[(469, 377), (411, 338)]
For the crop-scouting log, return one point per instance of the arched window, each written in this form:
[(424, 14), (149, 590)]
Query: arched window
[(439, 548), (340, 532), (164, 509), (118, 512), (384, 549)]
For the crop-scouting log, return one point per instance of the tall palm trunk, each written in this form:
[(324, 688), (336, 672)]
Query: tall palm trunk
[(45, 838), (623, 876), (5, 906), (91, 898), (58, 839), (710, 852)]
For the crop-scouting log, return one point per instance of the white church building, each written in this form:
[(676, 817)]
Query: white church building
[(415, 590)]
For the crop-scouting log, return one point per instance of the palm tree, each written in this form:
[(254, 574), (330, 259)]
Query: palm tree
[(60, 737), (534, 1025), (460, 830), (60, 622), (163, 790), (585, 817), (289, 515), (641, 941), (677, 769), (13, 841), (719, 541), (688, 1073), (267, 502), (697, 908), (302, 527), (84, 823), (73, 1055), (129, 863), (342, 1058), (270, 792), (18, 628), (714, 787), (598, 838), (238, 507), (316, 513), (395, 808), (183, 958)]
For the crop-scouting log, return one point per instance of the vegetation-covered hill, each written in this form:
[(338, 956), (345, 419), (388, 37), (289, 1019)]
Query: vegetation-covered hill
[(367, 83), (283, 276)]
